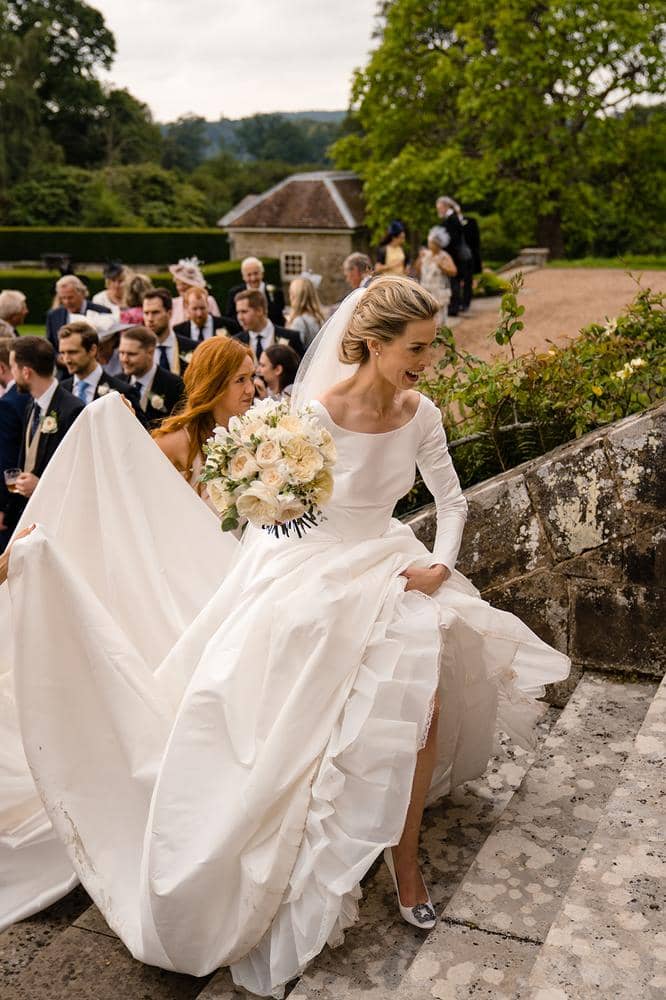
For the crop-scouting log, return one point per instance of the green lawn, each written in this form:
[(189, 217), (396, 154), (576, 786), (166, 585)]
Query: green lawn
[(33, 329), (647, 262)]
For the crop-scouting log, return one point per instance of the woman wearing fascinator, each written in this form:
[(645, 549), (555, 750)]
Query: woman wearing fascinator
[(186, 274), (256, 723)]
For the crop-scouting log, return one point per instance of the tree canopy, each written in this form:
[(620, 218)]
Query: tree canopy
[(512, 107)]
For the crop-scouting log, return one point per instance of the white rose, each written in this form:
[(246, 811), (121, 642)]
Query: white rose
[(272, 477), (103, 388), (49, 425), (157, 402), (291, 423), (220, 496), (221, 435), (258, 504), (290, 507), (268, 453), (303, 460), (242, 465), (235, 426), (322, 487)]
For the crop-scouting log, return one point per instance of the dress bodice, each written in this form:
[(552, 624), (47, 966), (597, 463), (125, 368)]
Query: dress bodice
[(373, 471)]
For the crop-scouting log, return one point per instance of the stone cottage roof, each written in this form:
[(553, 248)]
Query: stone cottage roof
[(321, 199)]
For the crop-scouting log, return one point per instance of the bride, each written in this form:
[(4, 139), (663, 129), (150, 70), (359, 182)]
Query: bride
[(225, 737)]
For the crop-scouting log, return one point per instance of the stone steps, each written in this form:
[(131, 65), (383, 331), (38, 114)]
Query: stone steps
[(609, 938), (499, 854)]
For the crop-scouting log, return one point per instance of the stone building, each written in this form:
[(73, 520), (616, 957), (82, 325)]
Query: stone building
[(309, 221)]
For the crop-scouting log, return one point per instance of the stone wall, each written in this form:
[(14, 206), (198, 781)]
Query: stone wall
[(574, 543), (324, 253)]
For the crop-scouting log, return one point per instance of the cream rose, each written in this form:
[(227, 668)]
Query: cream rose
[(252, 428), (303, 460), (258, 504), (272, 477), (220, 497), (290, 507), (268, 453), (291, 423), (242, 465), (322, 487)]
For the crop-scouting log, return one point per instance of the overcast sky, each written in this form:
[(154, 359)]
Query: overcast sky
[(232, 58)]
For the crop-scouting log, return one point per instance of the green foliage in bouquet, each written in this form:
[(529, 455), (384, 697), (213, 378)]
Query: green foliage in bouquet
[(502, 412)]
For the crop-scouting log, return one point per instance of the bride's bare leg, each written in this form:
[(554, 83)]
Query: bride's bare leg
[(406, 852)]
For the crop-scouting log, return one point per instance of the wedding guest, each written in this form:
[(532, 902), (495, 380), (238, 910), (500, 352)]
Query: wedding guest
[(188, 274), (357, 269), (13, 405), (13, 308), (392, 257), (115, 279), (305, 314), (79, 346), (159, 390), (257, 329), (252, 273), (72, 295), (6, 329), (52, 412), (434, 268), (173, 352), (201, 324), (219, 385), (276, 371), (450, 218), (137, 287)]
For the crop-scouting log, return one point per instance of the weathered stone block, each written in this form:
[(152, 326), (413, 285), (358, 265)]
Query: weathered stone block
[(503, 538), (622, 626), (541, 601), (575, 495), (644, 557), (637, 452)]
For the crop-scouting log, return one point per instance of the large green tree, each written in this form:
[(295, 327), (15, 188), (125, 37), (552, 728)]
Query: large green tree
[(509, 105)]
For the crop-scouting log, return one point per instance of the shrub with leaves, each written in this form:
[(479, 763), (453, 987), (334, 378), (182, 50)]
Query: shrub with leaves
[(502, 412)]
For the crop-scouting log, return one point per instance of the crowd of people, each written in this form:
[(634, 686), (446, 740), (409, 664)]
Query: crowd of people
[(181, 364)]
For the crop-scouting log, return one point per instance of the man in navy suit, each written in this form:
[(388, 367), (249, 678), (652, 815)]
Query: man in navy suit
[(160, 390), (73, 298), (258, 330), (13, 405), (252, 273), (51, 413), (79, 345), (200, 324)]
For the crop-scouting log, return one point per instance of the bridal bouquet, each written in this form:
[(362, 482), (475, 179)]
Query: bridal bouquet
[(272, 466)]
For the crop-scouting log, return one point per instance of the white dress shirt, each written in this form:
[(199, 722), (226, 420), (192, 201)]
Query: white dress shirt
[(145, 383), (91, 381), (44, 401), (207, 329), (267, 337), (171, 345)]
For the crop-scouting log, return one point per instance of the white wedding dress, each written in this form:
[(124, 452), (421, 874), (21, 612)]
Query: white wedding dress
[(223, 736)]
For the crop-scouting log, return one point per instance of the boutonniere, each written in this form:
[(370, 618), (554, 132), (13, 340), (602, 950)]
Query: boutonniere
[(186, 358), (283, 340), (270, 289), (103, 388), (222, 332), (50, 423), (157, 402)]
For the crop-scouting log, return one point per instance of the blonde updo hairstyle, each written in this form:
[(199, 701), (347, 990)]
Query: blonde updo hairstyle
[(388, 304)]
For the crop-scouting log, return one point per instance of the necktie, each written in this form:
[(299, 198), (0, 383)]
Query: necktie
[(82, 391), (164, 357), (259, 348), (34, 423), (200, 338)]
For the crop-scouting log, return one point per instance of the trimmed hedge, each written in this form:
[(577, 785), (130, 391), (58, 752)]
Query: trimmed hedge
[(38, 286), (133, 246)]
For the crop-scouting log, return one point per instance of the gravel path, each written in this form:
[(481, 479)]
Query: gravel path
[(558, 302)]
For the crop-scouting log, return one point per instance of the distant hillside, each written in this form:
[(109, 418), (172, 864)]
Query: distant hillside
[(306, 134)]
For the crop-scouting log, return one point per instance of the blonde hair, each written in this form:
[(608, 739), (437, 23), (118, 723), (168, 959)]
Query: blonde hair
[(388, 304), (305, 300)]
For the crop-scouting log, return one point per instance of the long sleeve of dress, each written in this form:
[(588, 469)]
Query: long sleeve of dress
[(434, 462)]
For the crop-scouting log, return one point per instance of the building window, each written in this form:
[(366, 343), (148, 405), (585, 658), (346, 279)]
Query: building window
[(292, 264)]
